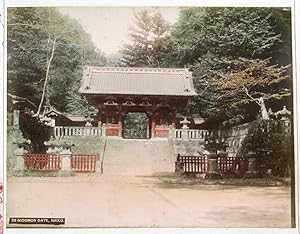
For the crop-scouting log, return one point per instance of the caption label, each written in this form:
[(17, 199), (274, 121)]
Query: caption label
[(54, 221)]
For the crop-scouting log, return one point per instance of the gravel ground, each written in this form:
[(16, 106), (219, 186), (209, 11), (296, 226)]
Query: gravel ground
[(137, 201)]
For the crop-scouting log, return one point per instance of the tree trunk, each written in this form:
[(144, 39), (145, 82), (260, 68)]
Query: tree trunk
[(263, 109), (46, 79)]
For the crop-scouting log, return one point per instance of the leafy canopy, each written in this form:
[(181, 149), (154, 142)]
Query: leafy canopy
[(211, 41), (31, 34)]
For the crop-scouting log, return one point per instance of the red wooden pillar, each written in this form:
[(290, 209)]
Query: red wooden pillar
[(174, 119), (153, 125), (120, 124)]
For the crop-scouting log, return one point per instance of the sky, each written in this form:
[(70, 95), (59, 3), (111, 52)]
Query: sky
[(108, 26)]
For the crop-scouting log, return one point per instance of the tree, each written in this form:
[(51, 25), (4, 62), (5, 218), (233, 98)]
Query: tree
[(209, 40), (150, 41), (46, 52), (252, 80), (230, 32)]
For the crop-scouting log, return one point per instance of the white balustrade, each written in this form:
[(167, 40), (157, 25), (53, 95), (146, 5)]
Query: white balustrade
[(70, 131), (189, 133)]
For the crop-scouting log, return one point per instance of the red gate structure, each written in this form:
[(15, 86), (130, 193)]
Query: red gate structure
[(84, 163), (43, 162)]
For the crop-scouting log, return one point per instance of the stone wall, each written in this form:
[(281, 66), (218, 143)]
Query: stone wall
[(191, 147), (87, 145), (235, 136)]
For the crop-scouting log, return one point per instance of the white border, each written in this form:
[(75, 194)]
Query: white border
[(228, 3), (115, 3)]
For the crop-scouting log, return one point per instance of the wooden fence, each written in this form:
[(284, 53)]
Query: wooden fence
[(42, 162), (198, 164), (234, 164), (84, 163), (192, 164)]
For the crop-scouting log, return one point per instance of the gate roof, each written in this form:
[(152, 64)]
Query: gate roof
[(137, 81)]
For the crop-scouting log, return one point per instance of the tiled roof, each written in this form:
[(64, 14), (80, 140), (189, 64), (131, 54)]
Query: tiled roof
[(137, 81)]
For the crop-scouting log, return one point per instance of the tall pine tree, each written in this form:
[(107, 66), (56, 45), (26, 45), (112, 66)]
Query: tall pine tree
[(150, 41)]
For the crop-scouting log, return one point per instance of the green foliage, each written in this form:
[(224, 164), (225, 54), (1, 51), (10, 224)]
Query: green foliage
[(230, 32), (135, 125), (31, 33), (35, 131), (211, 40), (150, 41), (249, 79), (273, 149)]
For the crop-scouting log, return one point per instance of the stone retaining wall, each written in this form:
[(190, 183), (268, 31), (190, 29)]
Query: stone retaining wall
[(235, 136)]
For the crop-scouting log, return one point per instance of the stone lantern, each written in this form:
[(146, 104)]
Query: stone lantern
[(54, 146), (251, 172), (221, 148), (20, 152), (66, 154), (88, 121), (211, 146), (284, 114), (185, 127), (185, 123)]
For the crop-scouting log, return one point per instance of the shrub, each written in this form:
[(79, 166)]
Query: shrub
[(273, 148)]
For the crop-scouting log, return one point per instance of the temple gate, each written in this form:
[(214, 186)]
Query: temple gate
[(117, 91)]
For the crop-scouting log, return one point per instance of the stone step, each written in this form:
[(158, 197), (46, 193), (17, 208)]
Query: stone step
[(123, 156)]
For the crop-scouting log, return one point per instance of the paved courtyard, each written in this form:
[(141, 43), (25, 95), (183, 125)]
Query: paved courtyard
[(128, 201)]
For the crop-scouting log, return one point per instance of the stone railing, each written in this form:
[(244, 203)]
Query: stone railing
[(71, 131), (188, 134)]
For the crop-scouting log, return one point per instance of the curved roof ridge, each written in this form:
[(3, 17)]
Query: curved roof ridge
[(137, 81)]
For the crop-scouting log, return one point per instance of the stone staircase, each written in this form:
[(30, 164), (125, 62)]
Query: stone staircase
[(137, 156), (87, 145)]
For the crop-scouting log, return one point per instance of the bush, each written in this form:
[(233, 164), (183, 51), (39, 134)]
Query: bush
[(35, 131), (273, 149)]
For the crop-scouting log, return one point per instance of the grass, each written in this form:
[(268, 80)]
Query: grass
[(193, 180)]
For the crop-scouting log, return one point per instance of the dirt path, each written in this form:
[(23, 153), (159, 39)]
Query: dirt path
[(125, 201)]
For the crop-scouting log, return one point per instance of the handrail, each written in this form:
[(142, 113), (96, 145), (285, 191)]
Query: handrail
[(189, 133), (71, 131)]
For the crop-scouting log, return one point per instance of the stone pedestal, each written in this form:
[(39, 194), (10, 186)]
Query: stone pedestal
[(251, 172), (19, 161), (251, 164), (184, 133), (65, 155), (213, 165)]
